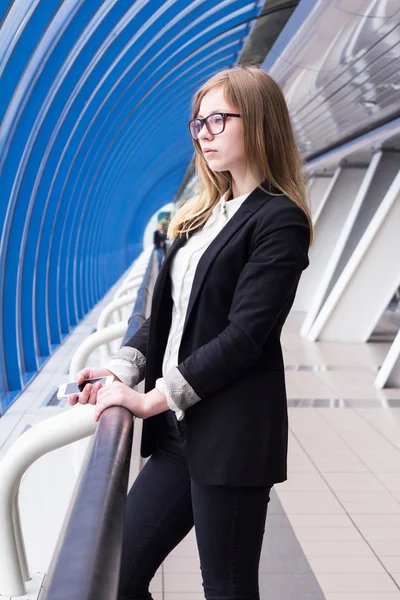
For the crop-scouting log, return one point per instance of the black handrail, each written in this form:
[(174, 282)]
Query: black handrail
[(86, 563), (138, 313)]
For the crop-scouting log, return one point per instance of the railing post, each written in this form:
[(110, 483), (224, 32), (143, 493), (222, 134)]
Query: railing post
[(86, 564), (67, 427), (58, 431), (92, 342), (19, 539)]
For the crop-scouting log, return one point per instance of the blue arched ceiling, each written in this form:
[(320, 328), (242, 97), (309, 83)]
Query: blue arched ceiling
[(95, 97)]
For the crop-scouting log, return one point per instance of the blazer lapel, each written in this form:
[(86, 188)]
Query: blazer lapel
[(251, 205)]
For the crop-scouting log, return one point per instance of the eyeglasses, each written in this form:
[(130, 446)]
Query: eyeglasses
[(215, 124)]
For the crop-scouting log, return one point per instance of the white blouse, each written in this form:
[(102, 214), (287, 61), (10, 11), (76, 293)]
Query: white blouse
[(182, 271)]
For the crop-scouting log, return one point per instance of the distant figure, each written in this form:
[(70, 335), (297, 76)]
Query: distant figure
[(159, 240)]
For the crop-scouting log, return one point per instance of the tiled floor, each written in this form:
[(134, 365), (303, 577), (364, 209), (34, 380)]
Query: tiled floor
[(333, 530)]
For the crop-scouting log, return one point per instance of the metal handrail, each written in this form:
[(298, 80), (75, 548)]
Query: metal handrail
[(130, 283), (86, 564), (110, 309), (94, 341), (44, 437), (88, 559), (138, 313), (127, 288), (55, 432)]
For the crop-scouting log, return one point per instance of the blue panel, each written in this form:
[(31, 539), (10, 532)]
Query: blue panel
[(21, 360), (16, 64), (4, 4), (86, 158)]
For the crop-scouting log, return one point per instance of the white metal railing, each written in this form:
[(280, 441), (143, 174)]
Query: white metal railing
[(130, 283), (94, 341), (55, 432), (112, 308), (126, 288), (124, 297)]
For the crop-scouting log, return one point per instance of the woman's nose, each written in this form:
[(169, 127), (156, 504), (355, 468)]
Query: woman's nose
[(204, 134)]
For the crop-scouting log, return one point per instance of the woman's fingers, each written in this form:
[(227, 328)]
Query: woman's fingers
[(101, 404), (72, 399), (85, 394), (81, 398), (88, 395), (106, 397), (81, 376), (103, 393), (93, 395)]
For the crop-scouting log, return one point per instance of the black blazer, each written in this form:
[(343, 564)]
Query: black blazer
[(230, 351)]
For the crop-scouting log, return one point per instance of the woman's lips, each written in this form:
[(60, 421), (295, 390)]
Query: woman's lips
[(208, 152)]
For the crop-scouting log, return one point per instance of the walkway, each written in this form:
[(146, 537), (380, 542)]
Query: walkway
[(333, 530)]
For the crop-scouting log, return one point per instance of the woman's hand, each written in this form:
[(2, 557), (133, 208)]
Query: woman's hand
[(140, 405), (89, 394)]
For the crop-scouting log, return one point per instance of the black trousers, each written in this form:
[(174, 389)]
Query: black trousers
[(162, 507)]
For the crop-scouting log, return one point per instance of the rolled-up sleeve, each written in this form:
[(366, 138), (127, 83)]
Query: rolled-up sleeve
[(129, 363), (178, 392)]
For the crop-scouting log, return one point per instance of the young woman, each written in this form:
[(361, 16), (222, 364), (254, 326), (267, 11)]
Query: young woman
[(214, 407)]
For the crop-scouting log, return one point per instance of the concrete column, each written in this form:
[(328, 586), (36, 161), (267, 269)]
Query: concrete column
[(389, 373), (317, 189), (369, 279), (376, 182), (328, 222)]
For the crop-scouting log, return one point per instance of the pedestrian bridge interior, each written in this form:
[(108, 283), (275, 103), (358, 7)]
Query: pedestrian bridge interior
[(93, 146)]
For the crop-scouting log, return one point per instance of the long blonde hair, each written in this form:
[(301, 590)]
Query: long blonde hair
[(269, 146)]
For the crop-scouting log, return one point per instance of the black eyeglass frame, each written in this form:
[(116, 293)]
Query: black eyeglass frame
[(203, 122)]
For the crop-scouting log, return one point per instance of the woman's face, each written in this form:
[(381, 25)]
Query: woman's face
[(223, 152)]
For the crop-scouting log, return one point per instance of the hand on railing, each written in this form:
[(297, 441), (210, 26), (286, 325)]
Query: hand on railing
[(140, 405), (89, 394)]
